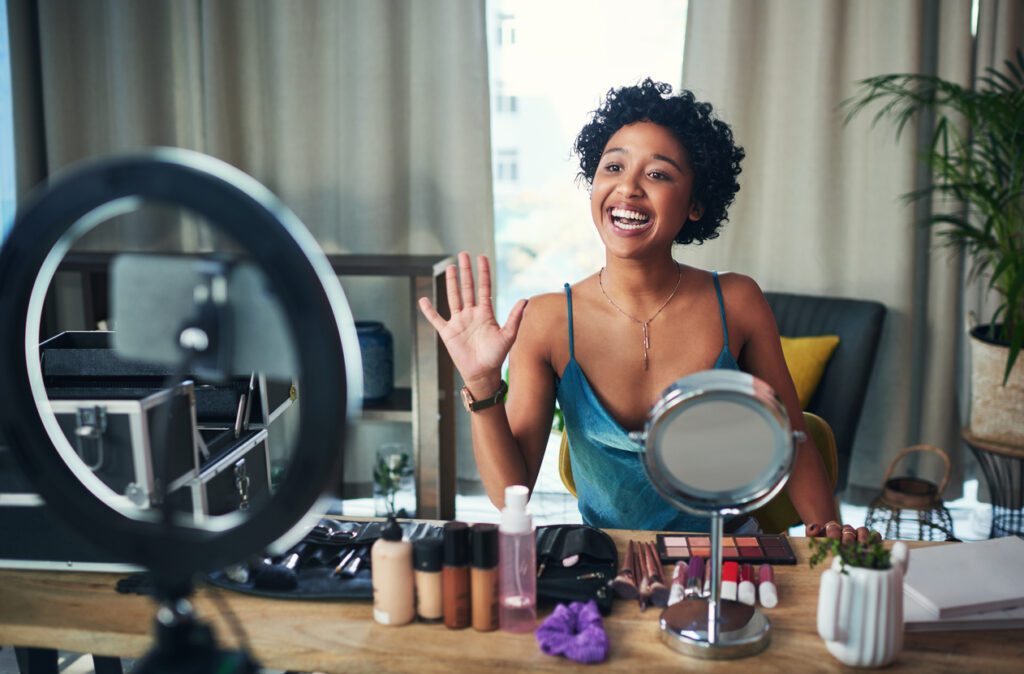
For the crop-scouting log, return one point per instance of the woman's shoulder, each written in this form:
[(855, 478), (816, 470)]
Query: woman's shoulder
[(743, 287), (554, 306), (544, 313), (745, 302)]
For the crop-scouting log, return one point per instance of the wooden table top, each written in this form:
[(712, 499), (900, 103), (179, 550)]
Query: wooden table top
[(82, 612)]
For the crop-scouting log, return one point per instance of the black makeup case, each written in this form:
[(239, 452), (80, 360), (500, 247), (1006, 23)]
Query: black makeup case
[(591, 553), (227, 429), (109, 409), (575, 562)]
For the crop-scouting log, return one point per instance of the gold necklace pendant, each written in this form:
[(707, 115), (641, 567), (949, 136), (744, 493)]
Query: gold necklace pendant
[(643, 324)]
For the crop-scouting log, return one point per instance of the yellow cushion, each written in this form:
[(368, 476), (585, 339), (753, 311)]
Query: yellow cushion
[(778, 515), (806, 358)]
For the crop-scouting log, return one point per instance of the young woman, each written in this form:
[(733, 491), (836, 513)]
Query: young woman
[(662, 171)]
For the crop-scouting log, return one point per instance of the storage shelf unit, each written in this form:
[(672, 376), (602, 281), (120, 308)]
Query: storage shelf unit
[(428, 405)]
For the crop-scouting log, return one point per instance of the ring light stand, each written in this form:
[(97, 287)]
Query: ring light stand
[(321, 328)]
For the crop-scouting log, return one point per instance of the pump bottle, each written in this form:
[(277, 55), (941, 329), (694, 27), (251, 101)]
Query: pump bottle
[(392, 577), (517, 564)]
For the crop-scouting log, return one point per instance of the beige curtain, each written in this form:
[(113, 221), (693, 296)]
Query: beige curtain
[(819, 210), (369, 119)]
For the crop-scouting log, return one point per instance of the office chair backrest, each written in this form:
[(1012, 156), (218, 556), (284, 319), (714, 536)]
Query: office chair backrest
[(839, 398)]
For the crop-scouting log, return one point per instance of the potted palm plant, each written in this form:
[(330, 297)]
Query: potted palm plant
[(977, 160)]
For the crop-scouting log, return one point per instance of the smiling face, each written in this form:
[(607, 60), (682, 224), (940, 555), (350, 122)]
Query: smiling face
[(642, 190)]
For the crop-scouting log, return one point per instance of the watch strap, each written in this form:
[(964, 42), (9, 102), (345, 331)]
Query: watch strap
[(473, 405)]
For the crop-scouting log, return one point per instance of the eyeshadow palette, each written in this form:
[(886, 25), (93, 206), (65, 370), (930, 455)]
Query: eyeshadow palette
[(760, 548)]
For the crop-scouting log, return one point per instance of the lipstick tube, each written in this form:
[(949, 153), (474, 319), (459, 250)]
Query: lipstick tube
[(766, 589), (730, 580), (747, 592)]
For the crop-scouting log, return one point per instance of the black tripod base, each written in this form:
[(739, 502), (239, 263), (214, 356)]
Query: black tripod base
[(186, 646)]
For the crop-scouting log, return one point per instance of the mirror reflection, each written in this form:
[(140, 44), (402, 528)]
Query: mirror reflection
[(172, 377), (718, 447)]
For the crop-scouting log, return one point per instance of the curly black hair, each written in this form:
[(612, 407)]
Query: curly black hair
[(714, 156)]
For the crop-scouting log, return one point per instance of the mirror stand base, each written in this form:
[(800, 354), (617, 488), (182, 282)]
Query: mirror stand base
[(742, 630)]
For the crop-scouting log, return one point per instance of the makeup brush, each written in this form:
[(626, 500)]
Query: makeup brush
[(645, 576), (694, 578), (282, 576), (624, 584), (345, 559), (677, 592), (352, 568), (659, 591)]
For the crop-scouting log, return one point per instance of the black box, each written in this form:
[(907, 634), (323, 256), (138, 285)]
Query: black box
[(82, 374), (32, 537), (114, 432), (73, 358), (237, 477)]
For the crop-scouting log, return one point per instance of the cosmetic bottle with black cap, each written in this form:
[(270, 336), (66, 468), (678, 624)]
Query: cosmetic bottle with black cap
[(455, 575), (392, 577), (484, 577), (428, 557)]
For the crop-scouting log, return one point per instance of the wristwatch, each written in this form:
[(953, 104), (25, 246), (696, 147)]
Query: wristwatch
[(473, 405)]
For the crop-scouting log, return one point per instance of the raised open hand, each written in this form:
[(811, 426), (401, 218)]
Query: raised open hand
[(477, 344)]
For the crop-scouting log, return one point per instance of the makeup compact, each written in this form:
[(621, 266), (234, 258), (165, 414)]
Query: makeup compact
[(750, 549), (718, 444)]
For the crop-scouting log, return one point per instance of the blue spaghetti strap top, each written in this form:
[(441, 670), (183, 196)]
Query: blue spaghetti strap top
[(607, 465)]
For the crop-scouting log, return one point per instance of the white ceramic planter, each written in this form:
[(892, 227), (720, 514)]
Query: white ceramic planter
[(860, 613)]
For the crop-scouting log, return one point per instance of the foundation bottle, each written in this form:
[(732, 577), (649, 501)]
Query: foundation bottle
[(392, 576), (455, 575), (428, 555), (484, 577)]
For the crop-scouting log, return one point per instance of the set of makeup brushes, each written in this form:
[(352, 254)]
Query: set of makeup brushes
[(642, 577)]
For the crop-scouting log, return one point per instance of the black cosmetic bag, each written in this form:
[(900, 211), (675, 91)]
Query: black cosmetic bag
[(575, 562)]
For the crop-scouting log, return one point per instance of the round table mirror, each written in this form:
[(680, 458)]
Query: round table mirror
[(717, 443)]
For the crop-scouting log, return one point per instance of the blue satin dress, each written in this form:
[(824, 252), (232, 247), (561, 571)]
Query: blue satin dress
[(608, 466)]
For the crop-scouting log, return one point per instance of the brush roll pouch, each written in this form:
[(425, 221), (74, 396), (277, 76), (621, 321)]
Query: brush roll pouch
[(321, 550), (587, 579)]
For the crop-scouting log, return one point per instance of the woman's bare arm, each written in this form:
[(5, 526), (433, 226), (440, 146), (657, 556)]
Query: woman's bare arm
[(509, 439), (808, 486)]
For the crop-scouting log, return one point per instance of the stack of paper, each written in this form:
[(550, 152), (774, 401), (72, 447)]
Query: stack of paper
[(965, 586)]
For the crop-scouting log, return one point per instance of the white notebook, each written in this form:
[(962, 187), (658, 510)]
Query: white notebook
[(964, 578), (917, 618)]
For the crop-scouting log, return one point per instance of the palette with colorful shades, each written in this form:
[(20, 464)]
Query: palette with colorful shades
[(754, 549)]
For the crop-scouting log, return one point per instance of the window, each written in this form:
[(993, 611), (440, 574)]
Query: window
[(543, 230), (7, 186), (506, 166), (506, 33), (504, 102)]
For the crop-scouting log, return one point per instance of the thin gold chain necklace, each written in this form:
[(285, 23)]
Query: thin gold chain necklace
[(644, 324)]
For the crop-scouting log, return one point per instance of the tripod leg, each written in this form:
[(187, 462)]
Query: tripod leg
[(36, 660), (107, 665)]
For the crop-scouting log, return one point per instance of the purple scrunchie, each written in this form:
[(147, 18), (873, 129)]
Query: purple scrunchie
[(575, 631)]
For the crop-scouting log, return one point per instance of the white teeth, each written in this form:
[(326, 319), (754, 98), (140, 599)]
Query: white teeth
[(621, 215), (631, 215)]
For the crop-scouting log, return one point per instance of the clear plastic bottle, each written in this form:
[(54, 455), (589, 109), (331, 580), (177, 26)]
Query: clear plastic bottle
[(517, 564)]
